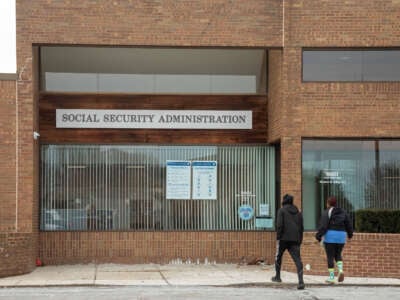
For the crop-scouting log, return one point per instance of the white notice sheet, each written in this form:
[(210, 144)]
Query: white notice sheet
[(204, 180), (178, 179)]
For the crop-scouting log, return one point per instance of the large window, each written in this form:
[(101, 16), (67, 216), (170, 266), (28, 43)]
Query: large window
[(351, 65), (103, 187), (153, 70), (361, 174)]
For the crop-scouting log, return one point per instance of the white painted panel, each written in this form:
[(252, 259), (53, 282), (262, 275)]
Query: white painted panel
[(126, 83), (233, 84), (71, 82)]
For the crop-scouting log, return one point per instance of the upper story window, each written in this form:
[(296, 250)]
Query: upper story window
[(351, 65), (153, 70)]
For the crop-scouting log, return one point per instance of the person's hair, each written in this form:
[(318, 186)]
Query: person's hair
[(331, 201), (287, 199)]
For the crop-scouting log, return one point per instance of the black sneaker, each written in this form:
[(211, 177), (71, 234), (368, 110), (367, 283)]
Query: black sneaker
[(301, 286), (276, 279)]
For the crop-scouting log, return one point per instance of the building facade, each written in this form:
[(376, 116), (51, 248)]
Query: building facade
[(252, 99)]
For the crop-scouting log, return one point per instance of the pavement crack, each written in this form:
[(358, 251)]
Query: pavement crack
[(163, 277), (308, 295), (95, 273)]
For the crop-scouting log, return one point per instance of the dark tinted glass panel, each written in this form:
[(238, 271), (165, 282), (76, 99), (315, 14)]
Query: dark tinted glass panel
[(386, 183), (381, 65), (360, 174), (357, 65), (332, 66), (335, 168)]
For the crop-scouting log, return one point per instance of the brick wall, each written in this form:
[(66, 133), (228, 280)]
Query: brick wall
[(338, 23), (362, 256), (16, 253), (296, 109), (140, 23), (155, 247), (366, 255), (333, 110), (275, 87), (7, 156), (163, 23), (337, 110)]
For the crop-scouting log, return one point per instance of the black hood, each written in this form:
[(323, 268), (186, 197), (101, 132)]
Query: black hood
[(291, 209), (287, 199), (337, 211)]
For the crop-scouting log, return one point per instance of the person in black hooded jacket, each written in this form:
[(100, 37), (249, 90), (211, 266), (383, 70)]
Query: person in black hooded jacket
[(289, 235)]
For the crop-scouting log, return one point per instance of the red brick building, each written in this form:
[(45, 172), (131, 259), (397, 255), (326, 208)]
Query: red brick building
[(258, 98)]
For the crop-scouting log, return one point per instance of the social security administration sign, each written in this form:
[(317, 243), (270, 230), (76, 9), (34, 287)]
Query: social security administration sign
[(154, 119)]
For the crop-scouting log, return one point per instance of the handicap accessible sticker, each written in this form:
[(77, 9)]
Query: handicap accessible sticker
[(246, 212)]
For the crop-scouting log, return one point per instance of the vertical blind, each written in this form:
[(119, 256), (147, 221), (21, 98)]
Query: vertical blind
[(109, 187)]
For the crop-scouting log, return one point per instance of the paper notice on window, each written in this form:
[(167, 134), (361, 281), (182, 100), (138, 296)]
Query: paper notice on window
[(204, 180), (264, 209), (178, 179)]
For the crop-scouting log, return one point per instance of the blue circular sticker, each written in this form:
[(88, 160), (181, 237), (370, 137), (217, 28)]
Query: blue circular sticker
[(246, 212)]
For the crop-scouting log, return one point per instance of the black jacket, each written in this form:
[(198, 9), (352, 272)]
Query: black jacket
[(339, 221), (289, 224)]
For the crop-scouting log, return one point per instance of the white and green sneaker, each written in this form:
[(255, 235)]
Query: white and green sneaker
[(330, 280)]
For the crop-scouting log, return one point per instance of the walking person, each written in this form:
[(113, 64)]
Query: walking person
[(334, 225), (289, 235)]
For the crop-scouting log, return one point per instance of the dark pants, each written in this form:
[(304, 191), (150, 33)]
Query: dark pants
[(333, 253), (294, 251)]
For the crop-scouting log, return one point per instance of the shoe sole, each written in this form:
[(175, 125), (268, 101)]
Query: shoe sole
[(329, 282), (341, 277)]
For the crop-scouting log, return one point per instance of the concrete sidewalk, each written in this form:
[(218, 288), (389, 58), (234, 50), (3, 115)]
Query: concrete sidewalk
[(171, 275)]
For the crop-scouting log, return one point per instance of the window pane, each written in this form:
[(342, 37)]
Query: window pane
[(153, 70), (335, 168), (124, 188), (352, 65), (381, 65), (385, 184), (332, 66)]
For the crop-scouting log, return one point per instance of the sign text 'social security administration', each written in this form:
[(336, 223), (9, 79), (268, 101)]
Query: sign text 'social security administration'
[(160, 119)]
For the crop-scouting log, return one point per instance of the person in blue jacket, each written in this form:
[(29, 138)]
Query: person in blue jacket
[(335, 224)]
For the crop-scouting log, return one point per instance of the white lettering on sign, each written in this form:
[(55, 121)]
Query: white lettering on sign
[(154, 119)]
